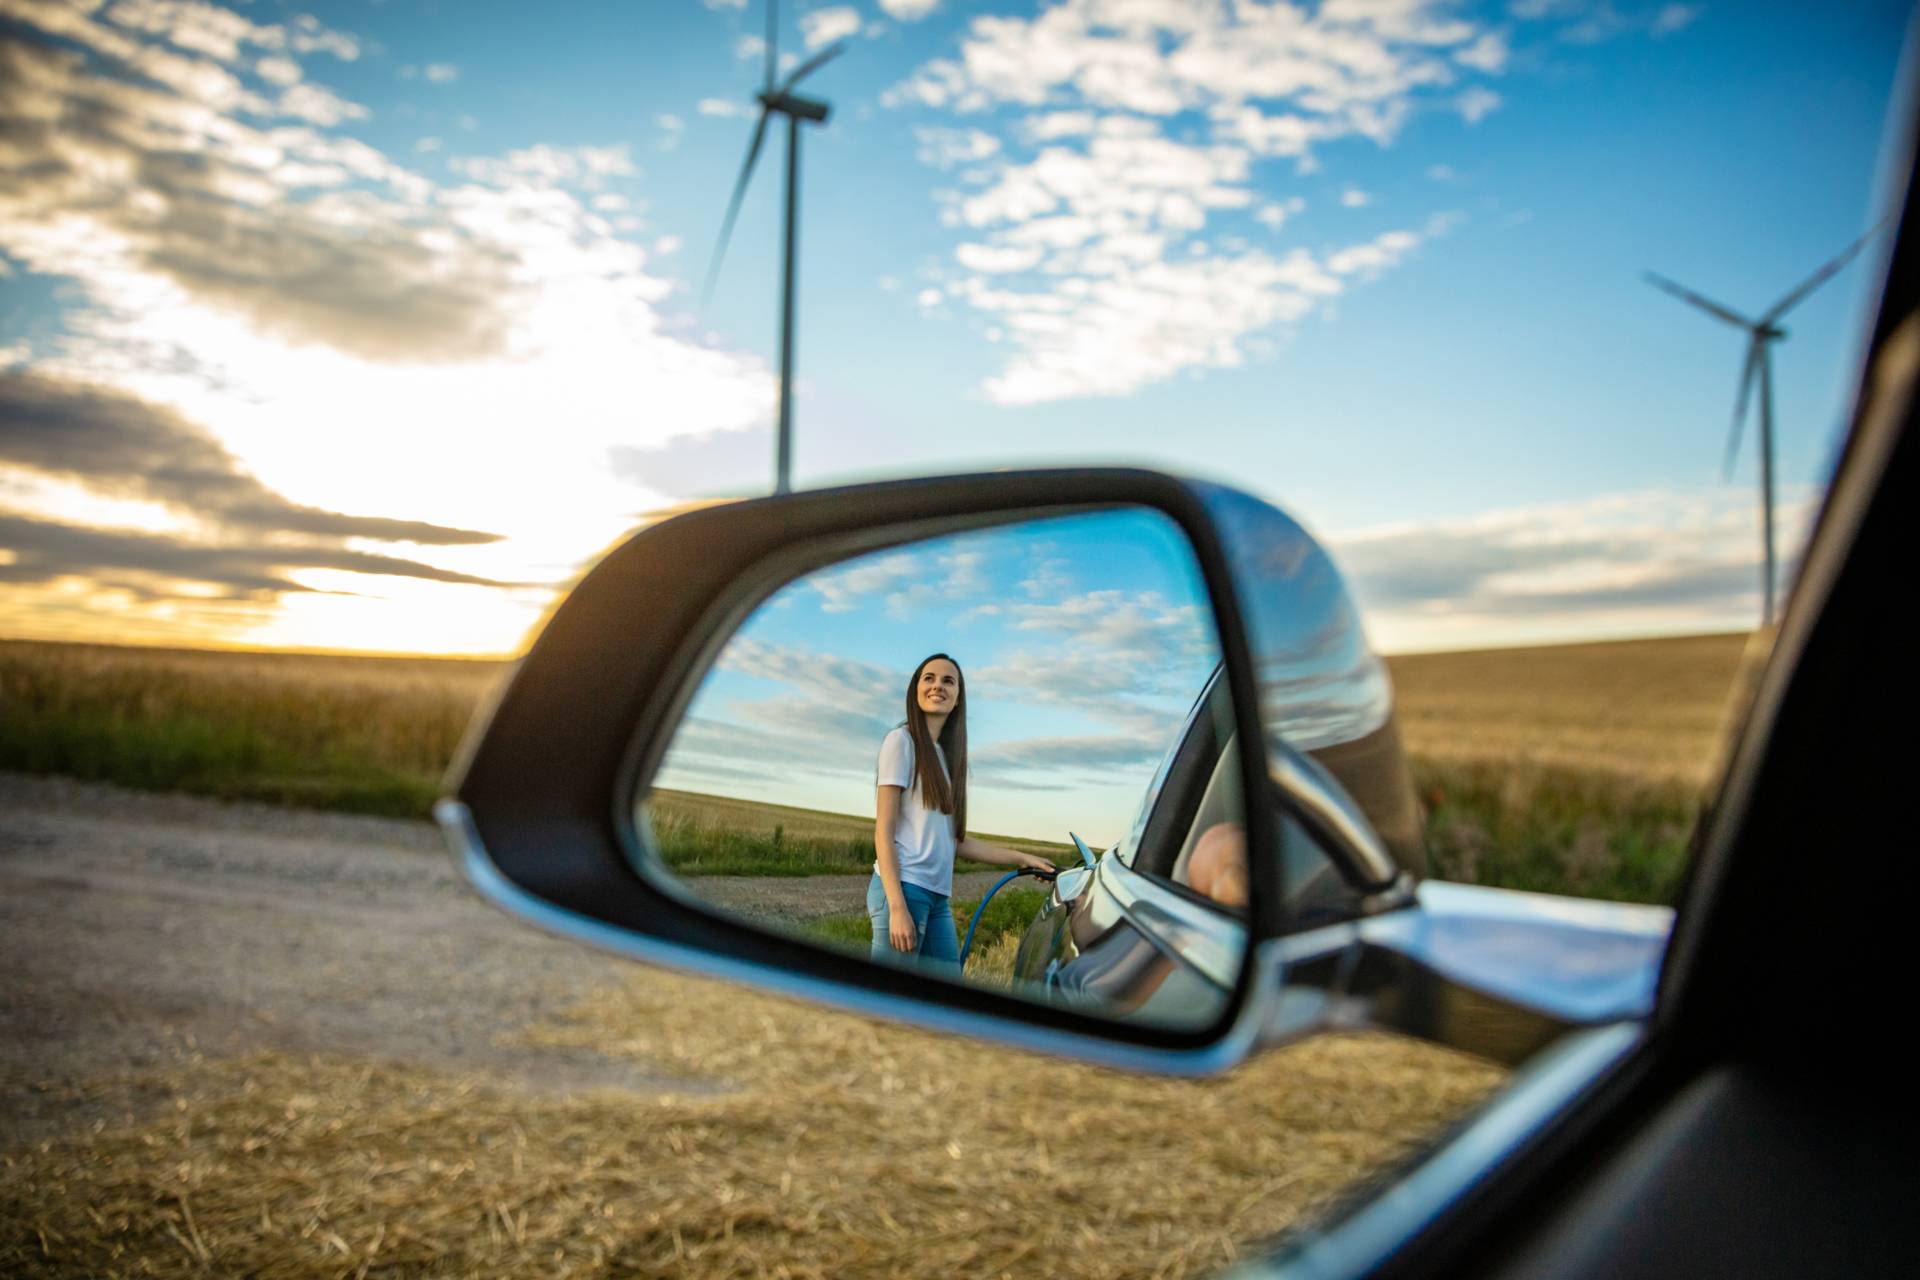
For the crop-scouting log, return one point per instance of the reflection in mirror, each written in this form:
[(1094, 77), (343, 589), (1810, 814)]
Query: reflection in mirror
[(1003, 756)]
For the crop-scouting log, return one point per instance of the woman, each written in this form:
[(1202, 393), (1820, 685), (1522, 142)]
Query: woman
[(920, 821)]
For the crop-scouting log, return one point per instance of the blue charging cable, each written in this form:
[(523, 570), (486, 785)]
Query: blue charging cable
[(966, 948)]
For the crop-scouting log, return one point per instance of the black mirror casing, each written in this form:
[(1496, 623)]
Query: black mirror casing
[(540, 807)]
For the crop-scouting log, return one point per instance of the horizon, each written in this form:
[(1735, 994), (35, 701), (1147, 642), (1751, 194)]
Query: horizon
[(503, 658)]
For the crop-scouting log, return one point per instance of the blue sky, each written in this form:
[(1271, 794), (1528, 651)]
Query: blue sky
[(431, 273), (1084, 641)]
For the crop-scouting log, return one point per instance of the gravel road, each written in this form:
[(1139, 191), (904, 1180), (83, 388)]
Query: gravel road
[(137, 929)]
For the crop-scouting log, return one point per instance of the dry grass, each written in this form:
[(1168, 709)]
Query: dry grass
[(1650, 710), (844, 1148)]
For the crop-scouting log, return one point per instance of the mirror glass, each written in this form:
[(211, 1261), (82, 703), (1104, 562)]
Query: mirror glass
[(1050, 808)]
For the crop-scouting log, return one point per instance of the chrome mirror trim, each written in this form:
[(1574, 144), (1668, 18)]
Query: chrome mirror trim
[(1318, 800)]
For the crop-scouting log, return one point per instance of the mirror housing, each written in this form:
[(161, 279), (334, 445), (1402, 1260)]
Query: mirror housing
[(540, 805)]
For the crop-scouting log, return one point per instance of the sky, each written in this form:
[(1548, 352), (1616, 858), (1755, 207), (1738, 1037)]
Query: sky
[(369, 325), (1083, 641)]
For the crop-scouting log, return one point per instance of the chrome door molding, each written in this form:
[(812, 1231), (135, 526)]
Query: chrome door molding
[(1321, 804)]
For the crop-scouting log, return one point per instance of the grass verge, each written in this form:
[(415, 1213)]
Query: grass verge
[(1557, 830)]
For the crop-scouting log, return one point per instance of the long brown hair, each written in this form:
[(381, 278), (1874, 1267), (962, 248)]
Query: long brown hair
[(943, 790)]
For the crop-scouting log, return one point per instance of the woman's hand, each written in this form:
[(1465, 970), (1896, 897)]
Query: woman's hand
[(900, 927), (1033, 862)]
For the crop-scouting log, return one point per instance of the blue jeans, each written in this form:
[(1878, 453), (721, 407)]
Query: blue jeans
[(932, 924)]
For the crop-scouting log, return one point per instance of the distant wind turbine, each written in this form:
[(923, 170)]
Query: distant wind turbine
[(1762, 334), (783, 100)]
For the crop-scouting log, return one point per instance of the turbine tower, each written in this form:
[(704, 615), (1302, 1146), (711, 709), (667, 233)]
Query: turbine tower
[(779, 99), (1761, 335)]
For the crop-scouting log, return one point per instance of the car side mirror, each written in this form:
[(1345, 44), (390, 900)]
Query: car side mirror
[(694, 763)]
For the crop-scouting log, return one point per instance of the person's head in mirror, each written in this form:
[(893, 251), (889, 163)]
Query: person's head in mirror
[(1219, 865), (920, 820)]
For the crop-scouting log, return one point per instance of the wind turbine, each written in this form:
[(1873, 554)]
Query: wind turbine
[(779, 100), (1761, 335)]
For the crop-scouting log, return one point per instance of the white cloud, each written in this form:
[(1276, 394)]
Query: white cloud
[(1058, 124), (308, 36), (948, 148), (1488, 53), (319, 106), (824, 26), (1648, 561), (1354, 198), (672, 130), (725, 108), (996, 259), (1091, 195), (1476, 104), (904, 580), (1674, 17), (278, 70), (545, 166), (908, 10), (1145, 322), (427, 146), (441, 73), (1375, 255), (724, 4), (928, 298), (1442, 173), (1274, 215)]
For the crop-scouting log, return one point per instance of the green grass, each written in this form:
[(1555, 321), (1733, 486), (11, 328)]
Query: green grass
[(1007, 916), (1557, 830), (696, 848)]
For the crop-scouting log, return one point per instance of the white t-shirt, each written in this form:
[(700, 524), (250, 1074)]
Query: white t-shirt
[(923, 837)]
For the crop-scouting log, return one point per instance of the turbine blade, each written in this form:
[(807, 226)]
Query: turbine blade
[(813, 64), (1824, 274), (773, 40), (1748, 372), (1707, 305), (733, 207)]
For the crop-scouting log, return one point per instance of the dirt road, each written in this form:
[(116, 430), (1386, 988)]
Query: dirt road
[(135, 929)]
